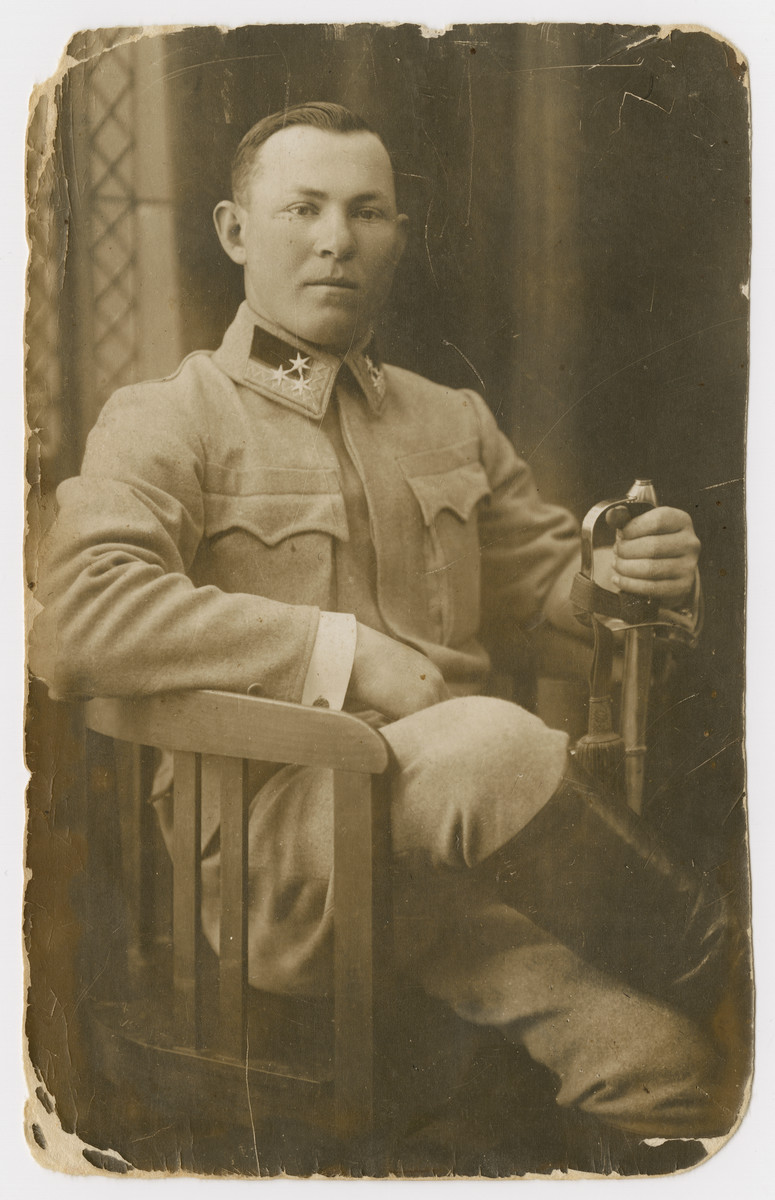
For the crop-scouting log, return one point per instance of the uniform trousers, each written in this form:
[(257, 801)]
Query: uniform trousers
[(471, 773)]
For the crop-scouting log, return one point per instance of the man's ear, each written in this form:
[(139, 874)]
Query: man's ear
[(229, 219)]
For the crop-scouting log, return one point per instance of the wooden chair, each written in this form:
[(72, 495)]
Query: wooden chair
[(215, 1044), (333, 1082), (214, 736)]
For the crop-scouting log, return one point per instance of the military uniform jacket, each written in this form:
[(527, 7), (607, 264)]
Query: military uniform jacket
[(196, 548)]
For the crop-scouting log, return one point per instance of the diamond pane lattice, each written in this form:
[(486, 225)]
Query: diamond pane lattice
[(112, 203)]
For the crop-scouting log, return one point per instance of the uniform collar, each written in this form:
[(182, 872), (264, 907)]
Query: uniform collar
[(295, 373)]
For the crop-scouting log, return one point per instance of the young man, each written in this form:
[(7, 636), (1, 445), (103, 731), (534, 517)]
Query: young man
[(288, 516)]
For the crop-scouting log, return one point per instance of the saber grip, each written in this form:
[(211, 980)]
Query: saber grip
[(587, 596)]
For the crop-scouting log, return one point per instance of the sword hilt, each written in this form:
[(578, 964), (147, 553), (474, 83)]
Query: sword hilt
[(603, 751), (587, 596)]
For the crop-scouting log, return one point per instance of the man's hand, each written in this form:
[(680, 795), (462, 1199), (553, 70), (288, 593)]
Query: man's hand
[(392, 678), (656, 555)]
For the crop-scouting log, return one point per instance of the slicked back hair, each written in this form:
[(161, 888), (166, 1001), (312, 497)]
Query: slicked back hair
[(319, 114)]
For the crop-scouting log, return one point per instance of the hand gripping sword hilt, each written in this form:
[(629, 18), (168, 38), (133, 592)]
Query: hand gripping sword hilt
[(587, 596)]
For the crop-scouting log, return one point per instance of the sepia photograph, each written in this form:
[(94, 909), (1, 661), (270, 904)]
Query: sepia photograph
[(386, 394)]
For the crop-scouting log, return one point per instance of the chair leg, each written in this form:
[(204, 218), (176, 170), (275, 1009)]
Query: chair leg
[(186, 889), (362, 931), (232, 784), (134, 775)]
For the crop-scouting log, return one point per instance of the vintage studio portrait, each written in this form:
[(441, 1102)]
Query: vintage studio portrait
[(386, 397)]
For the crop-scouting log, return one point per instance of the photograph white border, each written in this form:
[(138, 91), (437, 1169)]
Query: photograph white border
[(37, 33)]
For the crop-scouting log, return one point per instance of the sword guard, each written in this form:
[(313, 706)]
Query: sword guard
[(587, 596)]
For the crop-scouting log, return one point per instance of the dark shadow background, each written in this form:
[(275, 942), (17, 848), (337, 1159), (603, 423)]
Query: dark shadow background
[(579, 204)]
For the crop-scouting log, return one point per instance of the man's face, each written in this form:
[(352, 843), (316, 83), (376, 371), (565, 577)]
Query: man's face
[(319, 234)]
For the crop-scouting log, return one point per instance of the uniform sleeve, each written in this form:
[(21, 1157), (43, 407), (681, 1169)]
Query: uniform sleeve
[(119, 613), (527, 544)]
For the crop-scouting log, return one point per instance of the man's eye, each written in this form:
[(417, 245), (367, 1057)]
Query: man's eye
[(301, 209), (368, 214)]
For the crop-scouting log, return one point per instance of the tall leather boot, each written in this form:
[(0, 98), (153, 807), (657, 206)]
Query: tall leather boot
[(593, 874)]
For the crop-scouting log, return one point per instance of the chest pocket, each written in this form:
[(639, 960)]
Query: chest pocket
[(274, 536), (448, 484)]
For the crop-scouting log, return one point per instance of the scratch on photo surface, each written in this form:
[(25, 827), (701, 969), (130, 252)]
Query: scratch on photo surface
[(603, 66), (643, 100), (620, 371), (724, 483), (471, 147), (649, 37), (427, 244), (716, 754), (466, 359), (677, 704), (250, 1106), (284, 57), (210, 62)]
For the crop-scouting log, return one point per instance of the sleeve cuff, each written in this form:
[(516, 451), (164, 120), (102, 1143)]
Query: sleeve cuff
[(686, 621), (330, 667)]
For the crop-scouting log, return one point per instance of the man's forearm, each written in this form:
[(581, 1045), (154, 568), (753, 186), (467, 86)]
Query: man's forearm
[(120, 617)]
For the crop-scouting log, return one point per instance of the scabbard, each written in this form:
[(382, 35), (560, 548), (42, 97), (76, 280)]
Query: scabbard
[(636, 684)]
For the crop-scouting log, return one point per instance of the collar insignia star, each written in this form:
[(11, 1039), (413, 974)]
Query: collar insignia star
[(300, 364), (376, 375), (305, 380), (287, 370)]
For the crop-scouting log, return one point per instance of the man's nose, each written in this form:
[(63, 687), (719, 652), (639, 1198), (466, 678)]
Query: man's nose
[(335, 236)]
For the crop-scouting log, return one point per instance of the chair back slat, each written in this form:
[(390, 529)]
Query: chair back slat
[(232, 776), (186, 895)]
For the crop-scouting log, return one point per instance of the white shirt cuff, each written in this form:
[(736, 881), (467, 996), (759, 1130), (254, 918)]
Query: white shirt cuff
[(331, 664)]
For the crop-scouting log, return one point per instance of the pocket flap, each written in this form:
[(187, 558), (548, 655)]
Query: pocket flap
[(272, 518), (454, 484)]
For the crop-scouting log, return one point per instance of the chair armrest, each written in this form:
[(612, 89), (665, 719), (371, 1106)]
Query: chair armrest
[(237, 726)]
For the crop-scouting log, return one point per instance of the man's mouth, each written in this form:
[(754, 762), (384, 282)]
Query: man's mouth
[(333, 282)]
